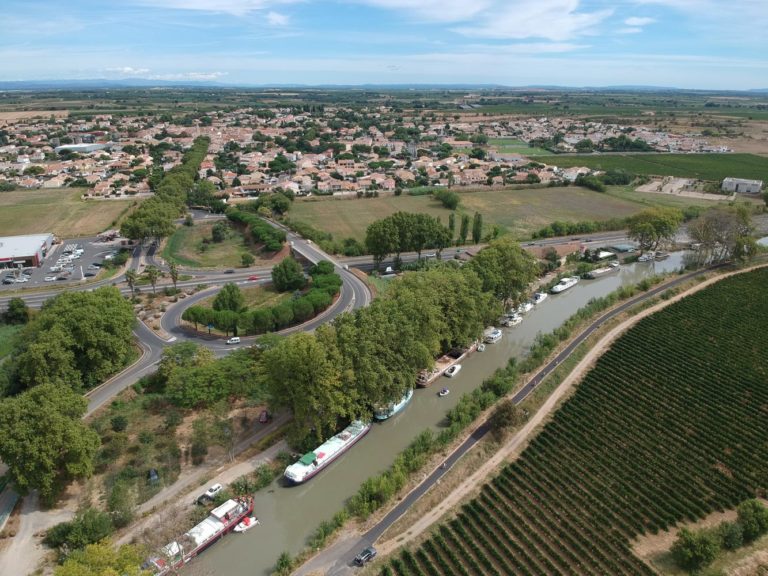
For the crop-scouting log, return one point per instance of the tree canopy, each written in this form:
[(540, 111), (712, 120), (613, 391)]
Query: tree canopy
[(45, 442), (505, 270), (654, 227)]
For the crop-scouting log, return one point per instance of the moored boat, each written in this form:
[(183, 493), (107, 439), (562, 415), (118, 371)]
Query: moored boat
[(382, 413), (512, 320), (222, 519), (524, 307), (492, 335), (597, 272), (444, 392), (661, 255), (564, 284), (247, 523), (539, 297), (453, 370), (313, 462), (647, 257)]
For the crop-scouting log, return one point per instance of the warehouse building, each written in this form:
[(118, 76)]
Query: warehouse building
[(24, 251), (741, 186)]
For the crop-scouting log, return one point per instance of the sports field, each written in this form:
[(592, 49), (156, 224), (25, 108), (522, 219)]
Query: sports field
[(60, 211), (701, 166), (514, 146), (517, 211)]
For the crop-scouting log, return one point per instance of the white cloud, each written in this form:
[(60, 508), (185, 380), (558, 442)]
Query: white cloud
[(277, 19), (128, 70), (235, 7), (638, 21), (194, 76), (435, 10), (555, 20)]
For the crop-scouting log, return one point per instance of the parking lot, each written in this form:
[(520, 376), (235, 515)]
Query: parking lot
[(73, 272)]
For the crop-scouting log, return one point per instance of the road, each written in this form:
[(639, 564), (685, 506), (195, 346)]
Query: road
[(341, 556)]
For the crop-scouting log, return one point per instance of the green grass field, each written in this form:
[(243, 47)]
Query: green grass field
[(641, 446), (184, 247), (256, 297), (59, 211), (6, 338), (701, 166), (514, 146), (517, 211)]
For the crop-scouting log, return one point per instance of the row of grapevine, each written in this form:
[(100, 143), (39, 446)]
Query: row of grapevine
[(668, 426)]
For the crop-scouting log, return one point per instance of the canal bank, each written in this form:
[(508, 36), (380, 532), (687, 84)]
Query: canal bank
[(289, 515)]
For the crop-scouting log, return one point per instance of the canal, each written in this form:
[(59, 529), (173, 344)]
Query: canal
[(288, 515)]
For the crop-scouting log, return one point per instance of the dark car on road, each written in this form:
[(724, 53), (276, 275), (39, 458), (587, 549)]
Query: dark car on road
[(365, 556)]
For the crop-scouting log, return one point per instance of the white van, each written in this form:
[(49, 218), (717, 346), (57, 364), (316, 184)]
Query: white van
[(234, 340)]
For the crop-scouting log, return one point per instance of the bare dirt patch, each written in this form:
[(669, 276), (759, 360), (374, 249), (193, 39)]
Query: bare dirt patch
[(11, 117)]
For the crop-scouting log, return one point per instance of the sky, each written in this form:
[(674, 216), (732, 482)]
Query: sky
[(699, 44)]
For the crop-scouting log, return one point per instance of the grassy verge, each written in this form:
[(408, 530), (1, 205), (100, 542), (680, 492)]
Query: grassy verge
[(188, 247)]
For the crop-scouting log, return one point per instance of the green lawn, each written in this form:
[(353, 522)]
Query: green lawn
[(256, 297), (514, 146), (517, 211), (6, 338), (185, 247), (701, 166), (60, 211)]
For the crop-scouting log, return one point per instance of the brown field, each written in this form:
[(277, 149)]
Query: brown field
[(60, 211), (517, 211), (10, 117)]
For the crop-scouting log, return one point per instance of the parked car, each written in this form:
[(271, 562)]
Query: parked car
[(229, 271), (365, 556), (50, 278), (265, 417), (234, 340), (209, 494)]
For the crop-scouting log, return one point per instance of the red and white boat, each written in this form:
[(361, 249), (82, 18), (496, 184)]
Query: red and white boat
[(247, 523), (221, 520)]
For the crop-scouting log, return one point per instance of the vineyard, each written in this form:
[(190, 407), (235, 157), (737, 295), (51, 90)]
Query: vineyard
[(668, 426)]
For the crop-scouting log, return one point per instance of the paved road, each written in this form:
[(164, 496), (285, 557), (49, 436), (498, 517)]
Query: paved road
[(341, 557)]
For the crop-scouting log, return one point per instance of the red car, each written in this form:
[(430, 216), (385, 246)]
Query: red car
[(253, 278)]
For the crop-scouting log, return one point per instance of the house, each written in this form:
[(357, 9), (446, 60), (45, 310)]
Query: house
[(742, 186)]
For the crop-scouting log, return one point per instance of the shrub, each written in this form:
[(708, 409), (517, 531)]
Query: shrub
[(731, 535), (119, 423), (753, 517), (695, 549)]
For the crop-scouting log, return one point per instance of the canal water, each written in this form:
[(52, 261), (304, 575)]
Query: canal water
[(288, 515)]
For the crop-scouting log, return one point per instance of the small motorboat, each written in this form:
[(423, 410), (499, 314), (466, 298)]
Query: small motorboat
[(481, 347), (539, 297), (453, 370), (524, 308), (512, 320), (444, 392), (247, 523)]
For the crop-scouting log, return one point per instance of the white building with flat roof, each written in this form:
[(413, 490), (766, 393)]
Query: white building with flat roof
[(29, 250), (742, 186)]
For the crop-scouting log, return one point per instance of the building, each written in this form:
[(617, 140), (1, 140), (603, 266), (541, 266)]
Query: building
[(81, 148), (741, 186), (26, 251)]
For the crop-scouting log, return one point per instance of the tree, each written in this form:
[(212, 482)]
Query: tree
[(452, 223), (102, 559), (153, 274), (17, 312), (753, 517), (229, 298), (723, 232), (505, 270), (247, 259), (477, 228), (288, 275), (654, 227), (130, 278), (695, 549), (505, 417), (45, 442), (173, 272), (219, 232), (464, 231), (380, 240), (448, 198)]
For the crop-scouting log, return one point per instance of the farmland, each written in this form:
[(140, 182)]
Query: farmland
[(59, 211), (701, 166), (668, 426), (513, 146), (517, 211)]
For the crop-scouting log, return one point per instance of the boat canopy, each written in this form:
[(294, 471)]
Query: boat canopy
[(229, 507), (308, 458)]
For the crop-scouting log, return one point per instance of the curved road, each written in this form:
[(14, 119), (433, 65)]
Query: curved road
[(342, 564)]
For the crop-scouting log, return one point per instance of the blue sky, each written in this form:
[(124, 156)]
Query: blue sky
[(710, 44)]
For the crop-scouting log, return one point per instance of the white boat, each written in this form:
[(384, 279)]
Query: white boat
[(481, 347), (492, 335), (524, 307), (564, 284), (539, 297), (444, 392), (647, 257), (597, 272), (313, 462), (453, 370), (510, 321), (247, 523), (661, 255), (382, 413)]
